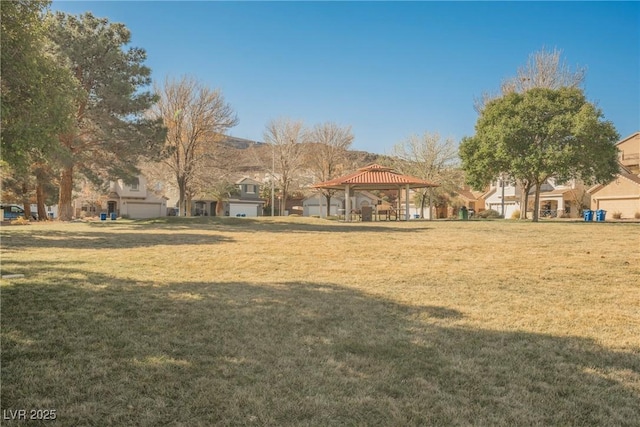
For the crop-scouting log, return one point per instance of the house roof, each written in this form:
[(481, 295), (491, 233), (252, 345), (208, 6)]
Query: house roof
[(375, 177), (552, 193), (470, 194), (624, 174), (633, 135), (246, 180)]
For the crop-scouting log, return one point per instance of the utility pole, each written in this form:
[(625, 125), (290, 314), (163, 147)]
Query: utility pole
[(273, 170), (502, 185)]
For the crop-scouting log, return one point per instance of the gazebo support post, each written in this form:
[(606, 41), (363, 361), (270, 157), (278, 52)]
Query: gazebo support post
[(406, 203), (347, 204), (399, 204)]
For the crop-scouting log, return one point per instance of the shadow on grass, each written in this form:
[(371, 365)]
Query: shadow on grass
[(111, 352), (95, 239), (182, 231), (276, 224)]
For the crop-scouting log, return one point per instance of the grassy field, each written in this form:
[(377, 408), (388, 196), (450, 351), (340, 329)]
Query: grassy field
[(205, 321)]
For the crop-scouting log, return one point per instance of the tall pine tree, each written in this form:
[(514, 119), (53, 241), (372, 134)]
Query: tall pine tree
[(111, 132)]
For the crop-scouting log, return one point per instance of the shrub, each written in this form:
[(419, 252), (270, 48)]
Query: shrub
[(489, 213), (20, 221), (515, 214), (637, 215), (617, 215)]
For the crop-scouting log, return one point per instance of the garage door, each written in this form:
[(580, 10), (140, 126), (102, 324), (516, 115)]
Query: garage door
[(627, 207), (144, 210), (239, 209)]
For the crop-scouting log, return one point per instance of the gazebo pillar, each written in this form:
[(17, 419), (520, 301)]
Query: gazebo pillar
[(406, 203), (347, 204)]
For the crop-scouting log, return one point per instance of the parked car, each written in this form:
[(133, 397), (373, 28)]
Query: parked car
[(12, 212)]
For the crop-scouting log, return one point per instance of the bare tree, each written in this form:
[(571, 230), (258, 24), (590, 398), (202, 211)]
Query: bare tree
[(285, 138), (327, 155), (196, 118), (544, 69), (432, 159)]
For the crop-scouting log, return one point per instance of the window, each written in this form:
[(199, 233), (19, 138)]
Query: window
[(135, 184), (251, 188)]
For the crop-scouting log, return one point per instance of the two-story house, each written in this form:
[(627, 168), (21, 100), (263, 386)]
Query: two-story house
[(622, 195), (558, 198), (503, 194), (135, 200), (128, 200), (248, 202), (562, 199)]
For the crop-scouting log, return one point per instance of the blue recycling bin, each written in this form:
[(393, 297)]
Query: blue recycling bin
[(588, 215), (601, 215), (113, 216), (103, 216)]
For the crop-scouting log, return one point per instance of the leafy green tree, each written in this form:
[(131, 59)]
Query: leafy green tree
[(538, 134), (110, 132), (36, 99)]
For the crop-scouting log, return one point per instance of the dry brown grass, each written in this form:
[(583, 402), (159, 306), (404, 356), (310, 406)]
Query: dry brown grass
[(308, 322)]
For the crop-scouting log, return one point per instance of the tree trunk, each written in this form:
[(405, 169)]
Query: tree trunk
[(328, 197), (65, 209), (535, 204), (40, 182), (181, 197), (523, 203), (423, 199), (187, 205), (26, 203)]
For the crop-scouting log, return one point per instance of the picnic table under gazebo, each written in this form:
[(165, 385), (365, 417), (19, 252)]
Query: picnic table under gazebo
[(374, 177)]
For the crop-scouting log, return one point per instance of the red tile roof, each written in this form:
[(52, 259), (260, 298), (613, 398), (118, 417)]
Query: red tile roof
[(375, 176)]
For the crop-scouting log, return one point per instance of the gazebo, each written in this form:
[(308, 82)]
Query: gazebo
[(374, 177)]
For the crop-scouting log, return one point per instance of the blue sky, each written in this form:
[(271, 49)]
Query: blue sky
[(388, 69)]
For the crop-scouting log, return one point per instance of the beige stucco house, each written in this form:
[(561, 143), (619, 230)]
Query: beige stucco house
[(124, 199), (622, 195)]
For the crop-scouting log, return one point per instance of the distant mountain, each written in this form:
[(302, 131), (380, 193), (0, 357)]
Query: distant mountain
[(250, 157), (239, 143)]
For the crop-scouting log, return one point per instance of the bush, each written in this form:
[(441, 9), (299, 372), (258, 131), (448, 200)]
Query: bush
[(637, 215), (20, 221), (515, 214), (489, 213), (617, 215)]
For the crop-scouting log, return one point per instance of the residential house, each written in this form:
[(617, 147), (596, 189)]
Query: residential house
[(622, 195), (562, 199), (558, 198), (248, 202), (503, 193), (471, 199), (129, 200)]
